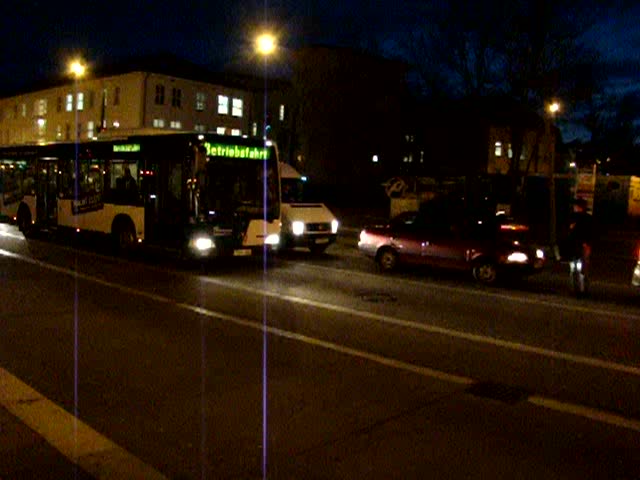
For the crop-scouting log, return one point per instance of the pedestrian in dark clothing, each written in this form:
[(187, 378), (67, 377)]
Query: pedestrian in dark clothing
[(578, 247)]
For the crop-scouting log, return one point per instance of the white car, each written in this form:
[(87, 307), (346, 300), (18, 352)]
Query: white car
[(304, 224)]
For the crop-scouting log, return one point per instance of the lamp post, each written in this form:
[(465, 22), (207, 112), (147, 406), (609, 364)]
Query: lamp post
[(550, 115), (265, 47), (77, 70)]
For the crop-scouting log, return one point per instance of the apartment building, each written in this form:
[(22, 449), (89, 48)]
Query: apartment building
[(145, 96)]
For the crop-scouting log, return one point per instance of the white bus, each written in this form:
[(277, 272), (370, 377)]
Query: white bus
[(304, 223), (205, 194)]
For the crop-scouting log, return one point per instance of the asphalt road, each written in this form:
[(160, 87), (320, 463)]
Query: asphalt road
[(310, 367)]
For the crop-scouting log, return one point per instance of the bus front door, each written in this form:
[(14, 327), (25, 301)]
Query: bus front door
[(47, 193)]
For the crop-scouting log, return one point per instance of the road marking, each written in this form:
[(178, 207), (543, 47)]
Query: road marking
[(486, 293), (471, 337), (574, 409), (91, 451)]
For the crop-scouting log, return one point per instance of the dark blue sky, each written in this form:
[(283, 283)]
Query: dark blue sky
[(38, 37)]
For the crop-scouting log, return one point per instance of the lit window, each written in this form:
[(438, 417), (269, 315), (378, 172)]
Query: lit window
[(281, 113), (23, 109), (80, 101), (176, 97), (69, 104), (175, 124), (221, 130), (254, 129), (59, 132), (158, 123), (159, 95), (200, 128), (40, 107), (237, 107), (42, 127), (498, 150), (509, 151), (236, 132), (200, 101), (223, 105), (90, 129)]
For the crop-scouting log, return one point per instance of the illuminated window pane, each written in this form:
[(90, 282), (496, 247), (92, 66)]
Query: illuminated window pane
[(223, 105), (281, 113), (236, 132), (498, 149), (69, 104), (200, 101), (158, 123), (237, 107), (221, 130), (80, 101)]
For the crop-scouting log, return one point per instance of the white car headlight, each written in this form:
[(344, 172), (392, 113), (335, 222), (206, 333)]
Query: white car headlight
[(297, 227), (540, 253), (273, 239), (517, 257), (202, 244), (334, 226)]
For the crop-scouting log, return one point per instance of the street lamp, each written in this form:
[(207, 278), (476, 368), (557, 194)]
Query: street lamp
[(552, 108), (266, 44), (77, 69)]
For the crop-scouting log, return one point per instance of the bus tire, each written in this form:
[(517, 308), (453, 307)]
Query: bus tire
[(123, 234), (24, 221)]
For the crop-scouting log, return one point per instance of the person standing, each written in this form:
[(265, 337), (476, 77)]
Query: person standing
[(579, 246)]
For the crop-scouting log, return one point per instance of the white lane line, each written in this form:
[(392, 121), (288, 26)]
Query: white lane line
[(94, 453), (471, 337), (486, 293), (578, 410), (586, 412)]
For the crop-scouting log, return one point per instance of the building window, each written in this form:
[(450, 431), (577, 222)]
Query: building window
[(498, 149), (90, 129), (40, 107), (23, 109), (254, 129), (92, 99), (80, 101), (159, 95), (200, 128), (176, 97), (59, 132), (67, 131), (116, 96), (42, 127), (281, 113), (237, 107), (69, 107), (200, 101), (158, 123), (175, 124), (221, 130), (223, 105), (236, 132), (59, 105)]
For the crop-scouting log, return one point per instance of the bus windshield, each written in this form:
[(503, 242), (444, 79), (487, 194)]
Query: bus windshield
[(249, 186)]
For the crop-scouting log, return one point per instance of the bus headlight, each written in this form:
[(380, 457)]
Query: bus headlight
[(517, 257), (334, 226), (273, 239), (297, 228), (202, 244)]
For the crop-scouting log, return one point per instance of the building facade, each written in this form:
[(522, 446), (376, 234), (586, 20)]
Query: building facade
[(139, 100)]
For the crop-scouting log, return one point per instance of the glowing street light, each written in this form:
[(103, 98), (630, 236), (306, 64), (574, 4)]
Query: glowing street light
[(77, 69), (266, 44), (554, 108)]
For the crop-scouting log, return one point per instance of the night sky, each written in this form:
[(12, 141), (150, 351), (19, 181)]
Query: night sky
[(39, 37)]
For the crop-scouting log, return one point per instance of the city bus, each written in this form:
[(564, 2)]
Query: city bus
[(204, 194)]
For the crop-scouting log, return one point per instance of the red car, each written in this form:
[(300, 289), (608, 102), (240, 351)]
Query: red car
[(488, 247)]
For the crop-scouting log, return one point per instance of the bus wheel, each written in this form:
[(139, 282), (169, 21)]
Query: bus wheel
[(24, 222), (124, 236)]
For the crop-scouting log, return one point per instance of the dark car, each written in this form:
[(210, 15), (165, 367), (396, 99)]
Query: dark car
[(486, 246)]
